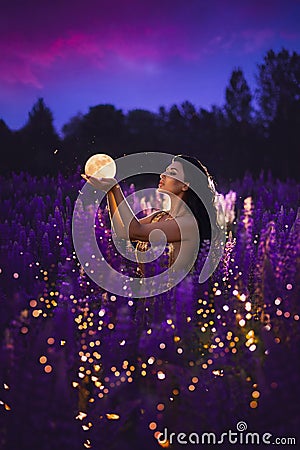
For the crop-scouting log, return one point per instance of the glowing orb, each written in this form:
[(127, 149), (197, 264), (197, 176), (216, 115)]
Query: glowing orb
[(100, 166)]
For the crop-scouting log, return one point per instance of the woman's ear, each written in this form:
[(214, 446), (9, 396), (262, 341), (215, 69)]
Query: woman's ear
[(185, 186)]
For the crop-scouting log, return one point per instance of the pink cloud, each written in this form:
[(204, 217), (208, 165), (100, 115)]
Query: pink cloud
[(19, 62), (131, 35), (22, 61)]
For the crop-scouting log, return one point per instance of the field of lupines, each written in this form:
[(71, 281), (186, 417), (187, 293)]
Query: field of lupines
[(83, 368)]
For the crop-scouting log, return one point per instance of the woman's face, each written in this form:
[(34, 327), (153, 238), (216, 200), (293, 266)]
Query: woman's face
[(172, 180)]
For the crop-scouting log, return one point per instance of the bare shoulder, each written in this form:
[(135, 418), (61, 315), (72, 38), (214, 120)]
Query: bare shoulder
[(187, 221), (186, 218)]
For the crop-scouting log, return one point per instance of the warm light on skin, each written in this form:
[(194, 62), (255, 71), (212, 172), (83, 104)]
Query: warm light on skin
[(172, 180)]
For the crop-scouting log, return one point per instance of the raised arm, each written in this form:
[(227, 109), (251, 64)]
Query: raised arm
[(123, 218), (106, 184)]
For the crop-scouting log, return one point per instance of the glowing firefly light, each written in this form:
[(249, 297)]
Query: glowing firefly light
[(161, 375), (81, 415), (112, 416)]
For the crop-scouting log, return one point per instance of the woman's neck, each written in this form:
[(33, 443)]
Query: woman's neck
[(178, 206)]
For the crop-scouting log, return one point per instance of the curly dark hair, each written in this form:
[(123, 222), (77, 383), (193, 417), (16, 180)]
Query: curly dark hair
[(204, 214)]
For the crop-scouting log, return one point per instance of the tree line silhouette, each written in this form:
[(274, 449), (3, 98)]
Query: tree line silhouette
[(252, 131)]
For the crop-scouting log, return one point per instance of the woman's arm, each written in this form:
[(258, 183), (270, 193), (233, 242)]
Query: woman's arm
[(114, 215), (106, 184), (182, 229), (120, 212), (127, 226)]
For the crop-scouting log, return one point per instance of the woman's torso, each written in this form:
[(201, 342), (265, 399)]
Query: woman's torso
[(172, 248)]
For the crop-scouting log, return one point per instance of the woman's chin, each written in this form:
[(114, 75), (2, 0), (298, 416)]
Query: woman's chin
[(161, 189)]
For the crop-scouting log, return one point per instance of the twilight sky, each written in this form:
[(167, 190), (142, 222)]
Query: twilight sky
[(133, 53)]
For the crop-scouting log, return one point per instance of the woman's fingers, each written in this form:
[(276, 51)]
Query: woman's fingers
[(90, 178), (98, 183), (85, 177), (95, 180)]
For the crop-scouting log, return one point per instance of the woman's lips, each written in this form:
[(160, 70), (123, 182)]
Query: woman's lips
[(160, 184)]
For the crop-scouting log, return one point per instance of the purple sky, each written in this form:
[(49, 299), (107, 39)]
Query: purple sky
[(133, 53)]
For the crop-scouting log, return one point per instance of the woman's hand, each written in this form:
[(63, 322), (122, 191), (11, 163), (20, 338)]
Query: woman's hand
[(104, 184)]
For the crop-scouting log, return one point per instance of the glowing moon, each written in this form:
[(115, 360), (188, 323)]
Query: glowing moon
[(100, 166)]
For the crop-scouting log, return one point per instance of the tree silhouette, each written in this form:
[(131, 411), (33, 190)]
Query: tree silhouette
[(278, 94), (240, 136), (238, 98), (101, 130), (230, 139), (142, 130), (37, 141), (7, 145), (278, 89)]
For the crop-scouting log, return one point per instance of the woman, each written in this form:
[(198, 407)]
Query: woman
[(160, 332), (181, 225)]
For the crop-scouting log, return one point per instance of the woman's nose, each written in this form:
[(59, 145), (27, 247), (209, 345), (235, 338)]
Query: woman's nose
[(162, 176)]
